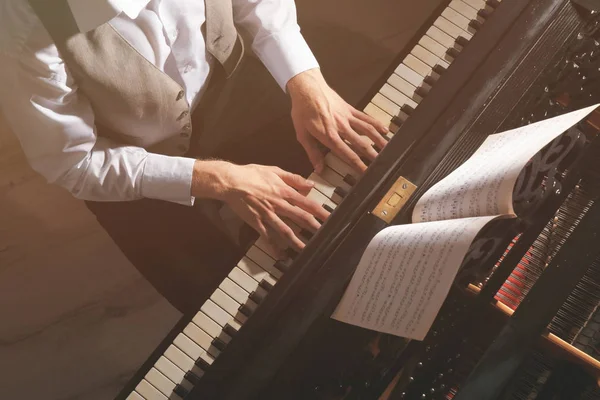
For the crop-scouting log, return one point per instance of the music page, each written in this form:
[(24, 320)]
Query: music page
[(405, 274), (484, 184)]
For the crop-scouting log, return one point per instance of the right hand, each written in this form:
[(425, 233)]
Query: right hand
[(264, 197)]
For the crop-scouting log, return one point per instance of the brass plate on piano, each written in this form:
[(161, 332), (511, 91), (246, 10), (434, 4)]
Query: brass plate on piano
[(394, 199)]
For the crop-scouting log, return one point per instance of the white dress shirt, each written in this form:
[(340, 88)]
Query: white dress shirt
[(55, 123)]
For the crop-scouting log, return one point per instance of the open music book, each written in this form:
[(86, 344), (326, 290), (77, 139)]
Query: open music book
[(406, 271)]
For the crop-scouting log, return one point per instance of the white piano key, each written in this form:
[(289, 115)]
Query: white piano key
[(201, 338), (228, 304), (134, 396), (379, 115), (409, 75), (162, 383), (264, 261), (149, 392), (451, 29), (262, 244), (464, 9), (322, 185), (458, 20), (320, 198), (215, 313), (179, 358), (397, 97), (428, 57), (335, 179), (190, 348), (245, 281), (386, 104), (173, 372), (209, 326), (403, 87), (417, 65), (440, 36), (234, 290), (340, 166), (478, 4), (255, 271), (433, 47)]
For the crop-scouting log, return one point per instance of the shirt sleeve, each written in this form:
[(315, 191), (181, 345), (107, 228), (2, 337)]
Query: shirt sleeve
[(54, 123), (276, 37)]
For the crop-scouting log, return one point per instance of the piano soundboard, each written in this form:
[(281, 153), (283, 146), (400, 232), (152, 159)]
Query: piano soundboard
[(175, 372)]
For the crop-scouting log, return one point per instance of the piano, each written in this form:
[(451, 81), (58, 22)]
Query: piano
[(522, 318)]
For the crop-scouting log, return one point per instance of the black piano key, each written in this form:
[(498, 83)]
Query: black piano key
[(492, 3), (255, 297), (438, 69), (230, 330), (291, 253), (452, 52), (340, 192), (306, 234), (218, 344), (202, 364), (421, 91), (366, 161), (483, 13), (462, 41), (281, 266), (327, 208), (350, 180), (244, 309), (265, 285), (180, 391), (406, 109), (376, 148), (430, 80), (192, 378), (475, 24), (397, 121)]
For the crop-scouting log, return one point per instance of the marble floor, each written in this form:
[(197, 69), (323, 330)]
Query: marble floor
[(76, 319)]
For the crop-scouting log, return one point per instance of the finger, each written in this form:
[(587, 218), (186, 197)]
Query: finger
[(283, 231), (295, 181), (313, 151), (380, 126), (270, 237), (312, 207), (311, 147), (342, 150), (360, 143), (368, 130), (297, 215)]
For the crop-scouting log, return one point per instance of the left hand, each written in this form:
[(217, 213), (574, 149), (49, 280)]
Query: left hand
[(320, 115)]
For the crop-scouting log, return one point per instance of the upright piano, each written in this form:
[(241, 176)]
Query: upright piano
[(521, 320)]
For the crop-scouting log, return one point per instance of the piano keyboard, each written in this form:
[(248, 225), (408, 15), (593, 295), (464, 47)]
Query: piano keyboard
[(192, 352)]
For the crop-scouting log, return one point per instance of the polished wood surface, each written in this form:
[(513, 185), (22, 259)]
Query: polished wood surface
[(77, 320)]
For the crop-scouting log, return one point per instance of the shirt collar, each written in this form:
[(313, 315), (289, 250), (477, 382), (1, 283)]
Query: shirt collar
[(91, 14)]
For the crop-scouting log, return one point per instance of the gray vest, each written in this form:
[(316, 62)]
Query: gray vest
[(127, 90)]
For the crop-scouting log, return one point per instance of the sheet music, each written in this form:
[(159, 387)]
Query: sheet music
[(405, 274), (484, 184)]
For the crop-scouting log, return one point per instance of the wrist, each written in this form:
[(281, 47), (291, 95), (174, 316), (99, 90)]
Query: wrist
[(306, 83), (210, 179)]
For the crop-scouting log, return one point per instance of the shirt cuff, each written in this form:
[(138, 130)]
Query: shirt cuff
[(285, 54), (168, 178)]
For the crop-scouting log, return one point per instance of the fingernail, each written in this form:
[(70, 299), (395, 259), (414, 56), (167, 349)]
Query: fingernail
[(310, 183)]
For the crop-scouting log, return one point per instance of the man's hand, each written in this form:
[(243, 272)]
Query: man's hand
[(263, 197), (320, 115)]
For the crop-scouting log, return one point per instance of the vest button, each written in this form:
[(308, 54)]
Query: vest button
[(180, 95), (183, 114)]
